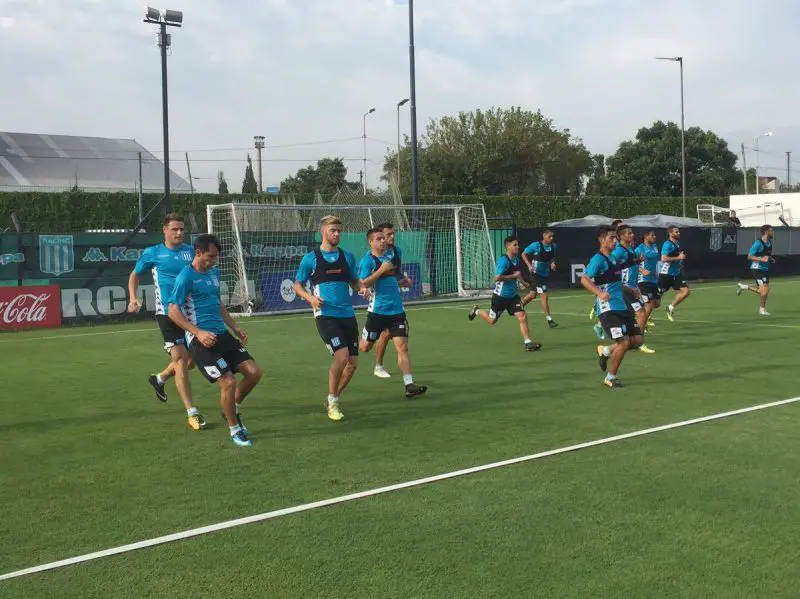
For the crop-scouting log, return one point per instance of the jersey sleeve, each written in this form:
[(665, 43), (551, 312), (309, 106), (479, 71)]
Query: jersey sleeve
[(399, 254), (555, 250), (755, 248), (366, 267), (639, 250), (620, 255), (595, 268), (502, 266), (182, 288), (532, 248), (667, 248), (306, 267), (351, 263), (145, 262)]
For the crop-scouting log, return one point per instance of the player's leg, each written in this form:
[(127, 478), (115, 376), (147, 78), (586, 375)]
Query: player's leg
[(490, 317), (404, 364), (227, 401), (181, 362), (545, 295), (618, 351), (516, 310), (683, 292), (530, 296), (380, 353), (763, 294), (344, 365)]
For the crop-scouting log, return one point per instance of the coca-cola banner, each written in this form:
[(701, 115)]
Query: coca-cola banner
[(30, 307)]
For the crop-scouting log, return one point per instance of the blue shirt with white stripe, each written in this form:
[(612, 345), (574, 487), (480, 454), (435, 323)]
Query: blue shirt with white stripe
[(623, 255), (166, 264), (506, 266), (651, 258), (601, 272), (760, 249), (198, 296)]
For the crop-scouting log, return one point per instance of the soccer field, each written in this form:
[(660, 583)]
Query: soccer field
[(92, 461)]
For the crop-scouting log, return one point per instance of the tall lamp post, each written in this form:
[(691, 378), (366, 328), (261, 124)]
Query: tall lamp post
[(755, 149), (364, 138), (259, 143), (164, 18), (399, 104), (679, 60), (413, 93)]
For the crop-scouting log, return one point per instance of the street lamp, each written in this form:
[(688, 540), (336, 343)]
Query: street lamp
[(413, 91), (679, 60), (164, 18), (364, 138), (259, 143), (755, 149), (402, 102)]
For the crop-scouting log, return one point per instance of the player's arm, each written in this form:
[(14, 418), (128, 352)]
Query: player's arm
[(553, 261), (303, 275), (143, 263), (231, 323), (666, 258), (752, 255), (590, 286), (385, 268), (176, 315), (632, 291), (526, 258), (355, 282)]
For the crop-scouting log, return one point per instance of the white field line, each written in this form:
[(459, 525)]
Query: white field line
[(195, 532), (13, 338)]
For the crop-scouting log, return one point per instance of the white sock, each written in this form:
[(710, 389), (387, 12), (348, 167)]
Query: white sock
[(549, 317), (235, 429), (379, 367), (671, 307), (192, 411), (159, 380), (332, 400), (408, 379), (606, 351), (527, 341)]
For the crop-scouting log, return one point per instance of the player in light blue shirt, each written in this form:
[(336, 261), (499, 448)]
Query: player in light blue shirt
[(649, 254), (540, 258), (506, 298), (196, 306), (602, 278), (333, 275), (670, 275), (385, 311), (625, 254), (165, 261), (760, 257)]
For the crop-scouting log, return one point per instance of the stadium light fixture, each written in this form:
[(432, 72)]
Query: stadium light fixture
[(679, 60), (402, 102), (755, 149)]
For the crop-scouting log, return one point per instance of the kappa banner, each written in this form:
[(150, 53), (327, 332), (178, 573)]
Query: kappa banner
[(30, 307)]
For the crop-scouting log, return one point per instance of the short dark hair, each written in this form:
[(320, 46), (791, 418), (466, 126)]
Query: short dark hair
[(546, 231), (671, 228), (604, 230), (203, 243), (373, 231), (653, 231), (622, 227), (383, 226), (765, 228), (616, 223), (172, 218), (510, 239)]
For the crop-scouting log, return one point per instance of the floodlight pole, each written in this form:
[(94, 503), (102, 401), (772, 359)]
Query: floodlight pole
[(413, 108), (164, 43), (679, 60)]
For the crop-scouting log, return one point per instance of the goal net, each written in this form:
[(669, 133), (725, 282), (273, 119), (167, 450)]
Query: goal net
[(446, 250), (710, 214)]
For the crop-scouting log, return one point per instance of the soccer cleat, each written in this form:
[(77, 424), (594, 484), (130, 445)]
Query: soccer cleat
[(602, 358), (670, 311), (613, 383), (413, 390), (651, 323), (763, 312), (238, 421), (241, 439), (741, 287), (196, 422), (533, 346), (552, 324), (592, 314), (161, 392), (598, 331), (473, 312), (646, 350), (381, 372), (334, 413)]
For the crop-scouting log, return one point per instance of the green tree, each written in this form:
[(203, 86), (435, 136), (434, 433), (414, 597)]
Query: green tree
[(327, 177), (222, 184), (495, 152), (249, 184), (651, 165)]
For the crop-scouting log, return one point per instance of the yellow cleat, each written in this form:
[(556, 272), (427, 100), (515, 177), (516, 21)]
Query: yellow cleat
[(651, 323), (592, 314), (334, 413), (196, 422), (646, 350)]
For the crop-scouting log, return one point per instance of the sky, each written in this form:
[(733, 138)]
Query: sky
[(302, 73)]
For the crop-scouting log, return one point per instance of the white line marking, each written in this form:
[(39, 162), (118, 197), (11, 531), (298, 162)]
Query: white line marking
[(194, 532)]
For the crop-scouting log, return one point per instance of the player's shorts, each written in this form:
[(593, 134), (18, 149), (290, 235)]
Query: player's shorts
[(667, 282), (635, 304), (619, 323), (396, 324), (500, 304), (537, 282), (338, 333), (761, 278), (650, 292), (226, 355), (173, 334)]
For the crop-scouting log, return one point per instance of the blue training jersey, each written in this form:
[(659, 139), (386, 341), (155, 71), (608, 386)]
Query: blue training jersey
[(394, 254), (165, 264), (623, 255), (760, 249), (506, 266), (335, 294), (652, 256), (602, 272), (386, 298), (197, 294), (543, 255), (671, 249)]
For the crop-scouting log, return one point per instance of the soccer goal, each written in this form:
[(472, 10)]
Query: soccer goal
[(710, 214), (446, 250)]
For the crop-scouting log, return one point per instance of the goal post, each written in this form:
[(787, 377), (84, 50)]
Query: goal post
[(446, 250)]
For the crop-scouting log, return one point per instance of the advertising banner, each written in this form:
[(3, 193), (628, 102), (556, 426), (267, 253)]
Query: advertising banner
[(30, 307)]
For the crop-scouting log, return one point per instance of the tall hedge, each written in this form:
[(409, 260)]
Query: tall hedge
[(79, 211)]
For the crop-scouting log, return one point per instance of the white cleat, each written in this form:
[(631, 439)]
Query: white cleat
[(381, 373), (741, 288), (763, 312)]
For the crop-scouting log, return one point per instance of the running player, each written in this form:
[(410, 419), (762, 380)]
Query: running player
[(505, 296), (196, 306), (332, 272), (602, 278), (166, 261), (543, 254), (648, 274), (624, 254), (385, 312), (670, 274), (394, 254), (598, 328), (760, 256)]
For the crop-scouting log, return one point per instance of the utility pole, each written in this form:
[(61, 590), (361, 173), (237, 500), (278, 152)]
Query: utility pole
[(744, 169), (141, 191), (788, 171), (259, 141), (189, 170)]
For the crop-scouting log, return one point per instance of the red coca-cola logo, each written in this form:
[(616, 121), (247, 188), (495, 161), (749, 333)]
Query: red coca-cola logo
[(26, 307)]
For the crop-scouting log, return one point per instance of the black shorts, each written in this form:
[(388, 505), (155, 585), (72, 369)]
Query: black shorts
[(173, 334), (650, 292), (512, 305), (396, 324), (667, 282), (338, 333), (226, 355), (537, 283), (634, 303), (761, 278), (619, 323)]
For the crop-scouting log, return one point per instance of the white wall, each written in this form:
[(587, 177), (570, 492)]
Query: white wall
[(756, 210)]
